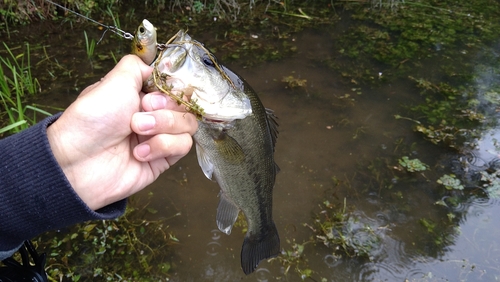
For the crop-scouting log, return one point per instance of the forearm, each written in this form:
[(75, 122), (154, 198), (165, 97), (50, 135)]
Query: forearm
[(35, 195)]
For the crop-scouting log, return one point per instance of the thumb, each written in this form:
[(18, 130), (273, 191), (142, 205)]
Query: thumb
[(130, 71), (130, 68)]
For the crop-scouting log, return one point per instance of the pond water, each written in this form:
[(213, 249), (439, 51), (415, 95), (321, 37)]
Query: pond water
[(339, 143)]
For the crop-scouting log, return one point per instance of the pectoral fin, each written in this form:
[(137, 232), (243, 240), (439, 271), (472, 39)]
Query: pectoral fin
[(227, 213), (229, 149), (204, 161)]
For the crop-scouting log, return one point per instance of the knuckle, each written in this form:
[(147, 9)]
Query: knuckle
[(170, 121), (165, 142), (187, 142)]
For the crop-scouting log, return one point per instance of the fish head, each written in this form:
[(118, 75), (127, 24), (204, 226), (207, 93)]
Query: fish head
[(193, 70)]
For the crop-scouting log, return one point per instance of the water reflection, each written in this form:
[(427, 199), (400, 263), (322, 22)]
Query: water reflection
[(474, 255), (472, 160)]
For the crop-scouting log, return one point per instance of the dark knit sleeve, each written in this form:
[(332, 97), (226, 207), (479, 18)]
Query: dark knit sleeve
[(35, 195)]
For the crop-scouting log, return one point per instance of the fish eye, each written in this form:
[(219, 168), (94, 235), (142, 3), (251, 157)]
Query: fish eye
[(208, 61), (142, 29)]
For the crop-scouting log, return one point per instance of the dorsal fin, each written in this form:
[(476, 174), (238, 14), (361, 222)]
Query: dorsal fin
[(273, 125)]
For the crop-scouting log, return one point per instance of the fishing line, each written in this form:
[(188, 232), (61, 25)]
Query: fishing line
[(112, 28)]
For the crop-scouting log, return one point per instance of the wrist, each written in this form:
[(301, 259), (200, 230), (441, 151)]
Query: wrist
[(64, 157)]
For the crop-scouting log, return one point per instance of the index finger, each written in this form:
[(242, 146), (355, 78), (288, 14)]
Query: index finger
[(163, 122), (159, 101)]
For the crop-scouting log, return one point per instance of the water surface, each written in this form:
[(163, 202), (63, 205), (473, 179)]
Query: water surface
[(339, 142)]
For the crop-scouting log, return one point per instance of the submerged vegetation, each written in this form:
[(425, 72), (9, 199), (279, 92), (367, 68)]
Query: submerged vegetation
[(459, 102), (126, 249), (401, 38), (385, 41), (342, 231)]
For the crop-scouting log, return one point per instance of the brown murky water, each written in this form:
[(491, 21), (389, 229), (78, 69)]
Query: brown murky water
[(324, 135)]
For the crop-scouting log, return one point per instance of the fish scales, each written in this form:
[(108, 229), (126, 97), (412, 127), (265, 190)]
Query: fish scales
[(246, 173), (234, 142)]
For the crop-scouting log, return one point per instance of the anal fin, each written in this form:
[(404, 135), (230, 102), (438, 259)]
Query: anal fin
[(227, 213)]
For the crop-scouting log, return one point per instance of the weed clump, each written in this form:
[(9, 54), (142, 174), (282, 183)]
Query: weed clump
[(128, 248), (344, 233)]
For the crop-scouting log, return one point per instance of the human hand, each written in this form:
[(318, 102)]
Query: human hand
[(110, 150)]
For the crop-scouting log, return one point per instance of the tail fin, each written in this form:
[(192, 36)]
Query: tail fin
[(257, 248)]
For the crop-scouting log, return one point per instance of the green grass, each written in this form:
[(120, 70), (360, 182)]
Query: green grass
[(116, 19), (16, 83), (89, 46), (20, 66)]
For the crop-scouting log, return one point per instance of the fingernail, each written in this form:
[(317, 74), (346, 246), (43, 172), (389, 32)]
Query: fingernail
[(158, 102), (143, 150), (146, 122)]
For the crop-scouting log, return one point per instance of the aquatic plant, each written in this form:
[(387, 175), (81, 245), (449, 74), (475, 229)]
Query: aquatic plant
[(412, 165), (294, 82), (16, 115), (440, 233), (394, 36), (342, 232), (448, 118), (126, 249), (20, 66), (115, 18), (198, 6), (490, 181), (388, 4), (428, 224), (89, 46), (451, 182), (241, 222), (294, 258)]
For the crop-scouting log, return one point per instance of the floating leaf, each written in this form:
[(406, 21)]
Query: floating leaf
[(450, 182), (412, 165)]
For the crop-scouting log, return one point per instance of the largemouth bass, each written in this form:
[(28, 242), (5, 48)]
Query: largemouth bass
[(144, 44), (234, 142)]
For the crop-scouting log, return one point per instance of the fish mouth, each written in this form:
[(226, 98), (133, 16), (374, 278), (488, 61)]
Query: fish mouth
[(219, 123)]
